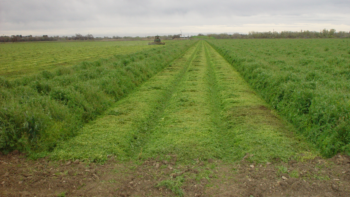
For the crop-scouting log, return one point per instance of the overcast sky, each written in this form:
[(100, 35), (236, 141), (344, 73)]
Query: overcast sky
[(149, 17)]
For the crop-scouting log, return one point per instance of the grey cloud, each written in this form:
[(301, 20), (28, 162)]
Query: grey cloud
[(32, 15)]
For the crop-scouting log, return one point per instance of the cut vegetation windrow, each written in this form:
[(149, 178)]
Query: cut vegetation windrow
[(124, 126), (197, 108)]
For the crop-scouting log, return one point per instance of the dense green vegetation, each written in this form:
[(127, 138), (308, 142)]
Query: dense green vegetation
[(38, 111), (23, 58), (198, 108), (307, 81)]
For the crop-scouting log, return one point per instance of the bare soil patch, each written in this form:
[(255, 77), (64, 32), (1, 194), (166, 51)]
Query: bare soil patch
[(317, 177)]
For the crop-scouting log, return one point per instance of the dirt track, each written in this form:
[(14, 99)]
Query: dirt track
[(318, 177)]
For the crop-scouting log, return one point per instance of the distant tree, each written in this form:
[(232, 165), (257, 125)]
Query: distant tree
[(331, 33), (90, 37), (14, 38), (79, 37)]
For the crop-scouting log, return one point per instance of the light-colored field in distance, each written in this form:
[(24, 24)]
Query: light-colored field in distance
[(18, 59)]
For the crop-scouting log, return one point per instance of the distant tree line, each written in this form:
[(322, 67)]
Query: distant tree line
[(251, 35), (20, 38), (284, 34), (29, 38)]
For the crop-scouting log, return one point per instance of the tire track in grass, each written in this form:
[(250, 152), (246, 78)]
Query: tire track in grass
[(250, 129), (125, 127), (187, 129)]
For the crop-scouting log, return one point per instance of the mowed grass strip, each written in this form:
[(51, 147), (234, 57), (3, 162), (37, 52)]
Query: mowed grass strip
[(186, 128), (250, 130), (122, 130), (18, 59)]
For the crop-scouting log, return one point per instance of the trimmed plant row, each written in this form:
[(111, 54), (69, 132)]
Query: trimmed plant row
[(307, 81), (249, 128), (197, 108), (123, 128), (37, 112)]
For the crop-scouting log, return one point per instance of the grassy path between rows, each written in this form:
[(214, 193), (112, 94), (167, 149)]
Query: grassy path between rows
[(187, 128), (216, 115), (198, 108), (249, 128)]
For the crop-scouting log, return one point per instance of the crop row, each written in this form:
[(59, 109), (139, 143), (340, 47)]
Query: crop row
[(36, 112), (307, 81)]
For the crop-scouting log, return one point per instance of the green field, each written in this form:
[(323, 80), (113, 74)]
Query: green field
[(193, 110), (191, 117), (307, 81), (144, 101), (39, 110), (25, 58)]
